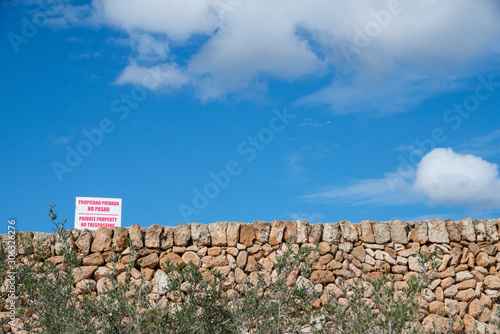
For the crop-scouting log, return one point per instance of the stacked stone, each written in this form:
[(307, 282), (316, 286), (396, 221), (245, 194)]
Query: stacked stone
[(466, 285)]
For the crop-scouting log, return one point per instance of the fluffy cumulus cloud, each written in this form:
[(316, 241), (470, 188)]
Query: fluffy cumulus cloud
[(446, 177), (442, 177), (414, 46), (178, 19)]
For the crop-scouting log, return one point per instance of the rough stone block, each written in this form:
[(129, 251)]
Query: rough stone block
[(399, 232), (382, 232), (200, 234), (218, 233)]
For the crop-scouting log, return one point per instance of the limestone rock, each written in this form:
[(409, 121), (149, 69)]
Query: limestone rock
[(178, 249), (367, 232), (467, 284), (480, 230), (399, 269), (60, 244), (476, 307), (493, 294), (56, 259), (83, 242), (413, 264), (334, 290), (104, 285), (147, 274), (94, 259), (444, 262), (492, 282), (349, 231), (191, 256), (167, 241), (252, 264), (218, 233), (359, 253), (419, 233), (117, 268), (470, 323), (463, 275), (86, 285), (382, 232), (153, 236), (200, 234), (160, 282), (492, 229), (428, 295), (331, 233), (399, 232), (451, 306), (240, 276), (302, 231), (346, 247), (218, 261), (322, 276), (454, 230), (135, 234), (241, 259), (175, 259), (234, 251), (214, 251), (465, 295), (233, 233), (468, 232), (120, 238), (474, 248), (102, 272), (437, 231), (83, 272), (262, 230), (44, 241), (316, 233), (434, 323), (291, 231), (451, 291), (482, 260), (149, 261), (448, 272), (247, 234), (182, 234), (436, 307), (277, 231)]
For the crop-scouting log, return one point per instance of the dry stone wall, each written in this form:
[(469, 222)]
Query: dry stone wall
[(467, 284)]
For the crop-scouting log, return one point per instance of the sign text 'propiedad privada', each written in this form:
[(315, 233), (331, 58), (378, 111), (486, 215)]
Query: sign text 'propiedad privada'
[(92, 212)]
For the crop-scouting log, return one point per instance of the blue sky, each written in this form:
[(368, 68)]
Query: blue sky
[(324, 111)]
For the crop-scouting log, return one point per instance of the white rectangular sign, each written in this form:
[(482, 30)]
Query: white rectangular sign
[(92, 212)]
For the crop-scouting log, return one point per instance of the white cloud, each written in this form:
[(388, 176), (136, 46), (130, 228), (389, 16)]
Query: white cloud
[(246, 43), (446, 177), (148, 47), (366, 192), (294, 167), (389, 92), (485, 145), (442, 177), (484, 140), (179, 19), (161, 76)]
